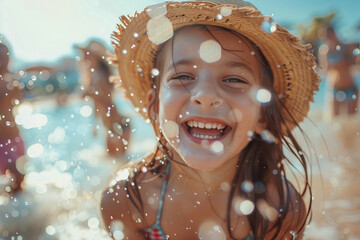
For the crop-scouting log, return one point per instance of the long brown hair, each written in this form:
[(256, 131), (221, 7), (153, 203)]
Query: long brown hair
[(259, 161)]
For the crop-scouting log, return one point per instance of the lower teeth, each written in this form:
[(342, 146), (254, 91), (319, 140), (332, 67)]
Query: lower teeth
[(204, 136)]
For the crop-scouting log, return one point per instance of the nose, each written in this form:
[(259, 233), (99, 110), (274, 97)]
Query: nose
[(206, 98)]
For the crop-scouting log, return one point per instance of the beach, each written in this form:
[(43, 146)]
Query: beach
[(69, 168)]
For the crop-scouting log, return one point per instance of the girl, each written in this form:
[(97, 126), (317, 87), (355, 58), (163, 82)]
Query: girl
[(223, 87)]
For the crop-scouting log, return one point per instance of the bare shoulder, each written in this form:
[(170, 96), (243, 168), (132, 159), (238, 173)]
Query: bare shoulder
[(118, 213), (297, 212)]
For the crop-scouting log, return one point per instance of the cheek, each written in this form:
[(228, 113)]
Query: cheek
[(170, 107), (245, 111), (171, 100)]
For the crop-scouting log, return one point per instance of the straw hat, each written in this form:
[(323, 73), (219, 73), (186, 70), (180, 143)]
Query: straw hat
[(138, 39)]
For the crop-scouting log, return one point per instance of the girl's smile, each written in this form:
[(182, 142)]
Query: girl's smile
[(208, 97)]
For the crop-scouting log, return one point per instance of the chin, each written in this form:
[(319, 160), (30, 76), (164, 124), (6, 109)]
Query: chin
[(202, 161)]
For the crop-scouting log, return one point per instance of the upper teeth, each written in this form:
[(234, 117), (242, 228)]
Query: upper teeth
[(219, 126)]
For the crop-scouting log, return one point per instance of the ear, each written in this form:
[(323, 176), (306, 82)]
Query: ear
[(152, 100)]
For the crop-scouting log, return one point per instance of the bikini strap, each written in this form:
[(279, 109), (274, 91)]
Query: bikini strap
[(162, 196)]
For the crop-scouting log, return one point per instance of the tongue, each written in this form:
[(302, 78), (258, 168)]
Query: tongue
[(205, 131)]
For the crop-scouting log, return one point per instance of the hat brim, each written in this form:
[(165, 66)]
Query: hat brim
[(295, 80)]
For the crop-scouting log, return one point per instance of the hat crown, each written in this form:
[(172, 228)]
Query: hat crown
[(236, 3)]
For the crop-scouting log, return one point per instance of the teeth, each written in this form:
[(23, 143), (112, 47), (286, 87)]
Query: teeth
[(204, 136), (218, 126)]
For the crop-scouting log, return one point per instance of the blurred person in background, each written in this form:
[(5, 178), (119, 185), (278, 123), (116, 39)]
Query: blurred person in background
[(12, 148), (95, 73), (336, 60)]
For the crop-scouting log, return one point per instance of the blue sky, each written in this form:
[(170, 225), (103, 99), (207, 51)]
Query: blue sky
[(42, 31)]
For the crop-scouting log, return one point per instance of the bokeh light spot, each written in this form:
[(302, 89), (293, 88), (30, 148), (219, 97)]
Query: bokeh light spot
[(210, 51)]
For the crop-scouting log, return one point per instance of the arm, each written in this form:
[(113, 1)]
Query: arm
[(116, 209)]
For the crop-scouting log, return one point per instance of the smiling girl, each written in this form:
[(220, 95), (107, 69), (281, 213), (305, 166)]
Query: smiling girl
[(223, 94)]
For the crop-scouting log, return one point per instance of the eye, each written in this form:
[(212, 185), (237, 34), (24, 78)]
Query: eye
[(183, 77), (235, 80), (236, 83)]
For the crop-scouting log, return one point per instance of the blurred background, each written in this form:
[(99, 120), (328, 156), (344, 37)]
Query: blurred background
[(70, 130)]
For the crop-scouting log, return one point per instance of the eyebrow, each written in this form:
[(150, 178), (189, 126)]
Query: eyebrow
[(183, 61), (239, 64), (228, 64)]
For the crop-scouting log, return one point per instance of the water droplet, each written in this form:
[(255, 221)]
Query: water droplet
[(35, 150), (210, 51), (156, 10), (135, 35), (50, 230), (293, 234), (356, 52), (86, 111), (225, 11), (159, 30), (217, 147), (219, 16), (155, 72), (118, 235), (268, 25), (144, 169), (266, 210), (247, 186), (170, 129), (124, 51), (210, 230), (225, 186), (338, 47), (93, 223), (263, 95), (267, 136), (244, 207)]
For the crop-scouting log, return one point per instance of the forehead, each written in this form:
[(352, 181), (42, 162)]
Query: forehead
[(188, 41)]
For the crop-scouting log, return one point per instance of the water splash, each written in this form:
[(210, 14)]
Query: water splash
[(159, 29), (268, 25), (225, 11), (247, 186), (267, 136), (356, 52), (210, 51), (263, 96), (210, 230), (155, 72), (217, 147), (156, 10), (170, 129)]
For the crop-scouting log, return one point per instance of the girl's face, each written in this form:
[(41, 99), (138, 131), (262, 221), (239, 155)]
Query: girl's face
[(207, 109)]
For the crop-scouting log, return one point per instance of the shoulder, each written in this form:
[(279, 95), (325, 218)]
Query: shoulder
[(120, 200), (116, 208), (296, 214)]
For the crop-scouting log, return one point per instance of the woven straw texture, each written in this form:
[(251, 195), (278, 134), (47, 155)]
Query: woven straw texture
[(295, 80)]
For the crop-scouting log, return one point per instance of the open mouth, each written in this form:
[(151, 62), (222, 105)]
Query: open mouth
[(206, 130)]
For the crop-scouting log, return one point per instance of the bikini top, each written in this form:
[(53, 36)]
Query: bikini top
[(155, 231)]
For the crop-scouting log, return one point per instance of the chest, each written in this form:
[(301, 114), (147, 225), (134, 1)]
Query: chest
[(194, 217)]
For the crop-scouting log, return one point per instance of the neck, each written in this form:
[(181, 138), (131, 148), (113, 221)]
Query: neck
[(191, 180)]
